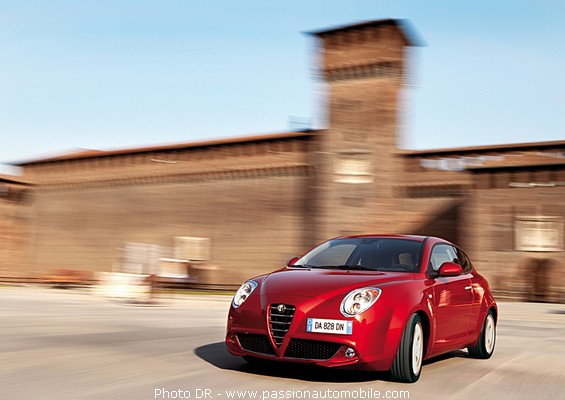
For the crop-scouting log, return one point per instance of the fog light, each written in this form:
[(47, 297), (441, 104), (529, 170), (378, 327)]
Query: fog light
[(232, 338), (349, 352)]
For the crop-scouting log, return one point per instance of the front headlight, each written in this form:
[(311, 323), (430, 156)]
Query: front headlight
[(359, 301), (243, 293)]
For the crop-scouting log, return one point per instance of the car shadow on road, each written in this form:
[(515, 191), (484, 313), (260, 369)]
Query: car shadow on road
[(447, 356), (217, 355)]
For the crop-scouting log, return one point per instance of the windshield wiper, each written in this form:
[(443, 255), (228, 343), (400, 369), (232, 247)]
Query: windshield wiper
[(345, 266)]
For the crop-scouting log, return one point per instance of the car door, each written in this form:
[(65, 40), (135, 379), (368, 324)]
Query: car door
[(477, 281), (452, 301)]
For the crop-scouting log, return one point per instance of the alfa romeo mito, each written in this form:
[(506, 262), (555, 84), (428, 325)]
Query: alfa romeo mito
[(375, 302)]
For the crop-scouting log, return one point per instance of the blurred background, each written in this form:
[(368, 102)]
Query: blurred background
[(370, 136)]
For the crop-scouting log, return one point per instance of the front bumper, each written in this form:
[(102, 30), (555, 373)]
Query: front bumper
[(371, 345)]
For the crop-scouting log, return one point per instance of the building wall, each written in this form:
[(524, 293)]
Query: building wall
[(254, 223), (492, 237), (15, 228), (250, 202)]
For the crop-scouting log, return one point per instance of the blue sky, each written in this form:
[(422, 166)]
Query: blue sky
[(113, 74)]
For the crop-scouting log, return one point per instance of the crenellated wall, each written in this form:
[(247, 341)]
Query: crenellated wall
[(249, 199)]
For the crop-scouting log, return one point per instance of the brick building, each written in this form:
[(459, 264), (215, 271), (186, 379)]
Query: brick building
[(15, 227), (244, 205)]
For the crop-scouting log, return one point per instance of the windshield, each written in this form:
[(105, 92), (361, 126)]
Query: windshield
[(376, 254)]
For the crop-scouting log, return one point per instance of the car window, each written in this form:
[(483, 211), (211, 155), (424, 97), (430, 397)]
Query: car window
[(464, 261), (442, 253), (378, 254), (335, 255)]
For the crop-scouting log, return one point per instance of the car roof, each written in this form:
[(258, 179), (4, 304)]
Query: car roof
[(387, 236)]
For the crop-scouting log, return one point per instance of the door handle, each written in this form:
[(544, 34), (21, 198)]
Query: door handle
[(468, 287)]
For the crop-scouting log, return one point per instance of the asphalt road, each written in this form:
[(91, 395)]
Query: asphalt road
[(68, 344)]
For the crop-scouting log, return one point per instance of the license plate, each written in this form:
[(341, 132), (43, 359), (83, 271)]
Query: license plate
[(329, 326)]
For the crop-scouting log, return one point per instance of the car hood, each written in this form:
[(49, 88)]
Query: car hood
[(325, 282)]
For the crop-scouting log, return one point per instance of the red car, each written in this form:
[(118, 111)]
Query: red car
[(374, 302)]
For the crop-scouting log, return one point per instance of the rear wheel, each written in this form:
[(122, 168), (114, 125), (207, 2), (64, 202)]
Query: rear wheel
[(407, 364), (485, 346)]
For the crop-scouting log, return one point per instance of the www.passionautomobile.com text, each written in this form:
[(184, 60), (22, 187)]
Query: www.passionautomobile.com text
[(361, 393)]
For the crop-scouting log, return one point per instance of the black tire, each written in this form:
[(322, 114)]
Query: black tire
[(407, 365), (487, 340)]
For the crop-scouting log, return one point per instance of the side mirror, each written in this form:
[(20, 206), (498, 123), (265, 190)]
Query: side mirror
[(291, 261), (450, 269)]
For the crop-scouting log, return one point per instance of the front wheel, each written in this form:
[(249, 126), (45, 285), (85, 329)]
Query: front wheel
[(407, 364), (485, 346)]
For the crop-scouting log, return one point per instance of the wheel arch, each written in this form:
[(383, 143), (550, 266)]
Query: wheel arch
[(494, 312), (487, 304), (426, 326)]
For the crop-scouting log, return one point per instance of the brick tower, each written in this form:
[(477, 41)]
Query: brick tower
[(363, 66)]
